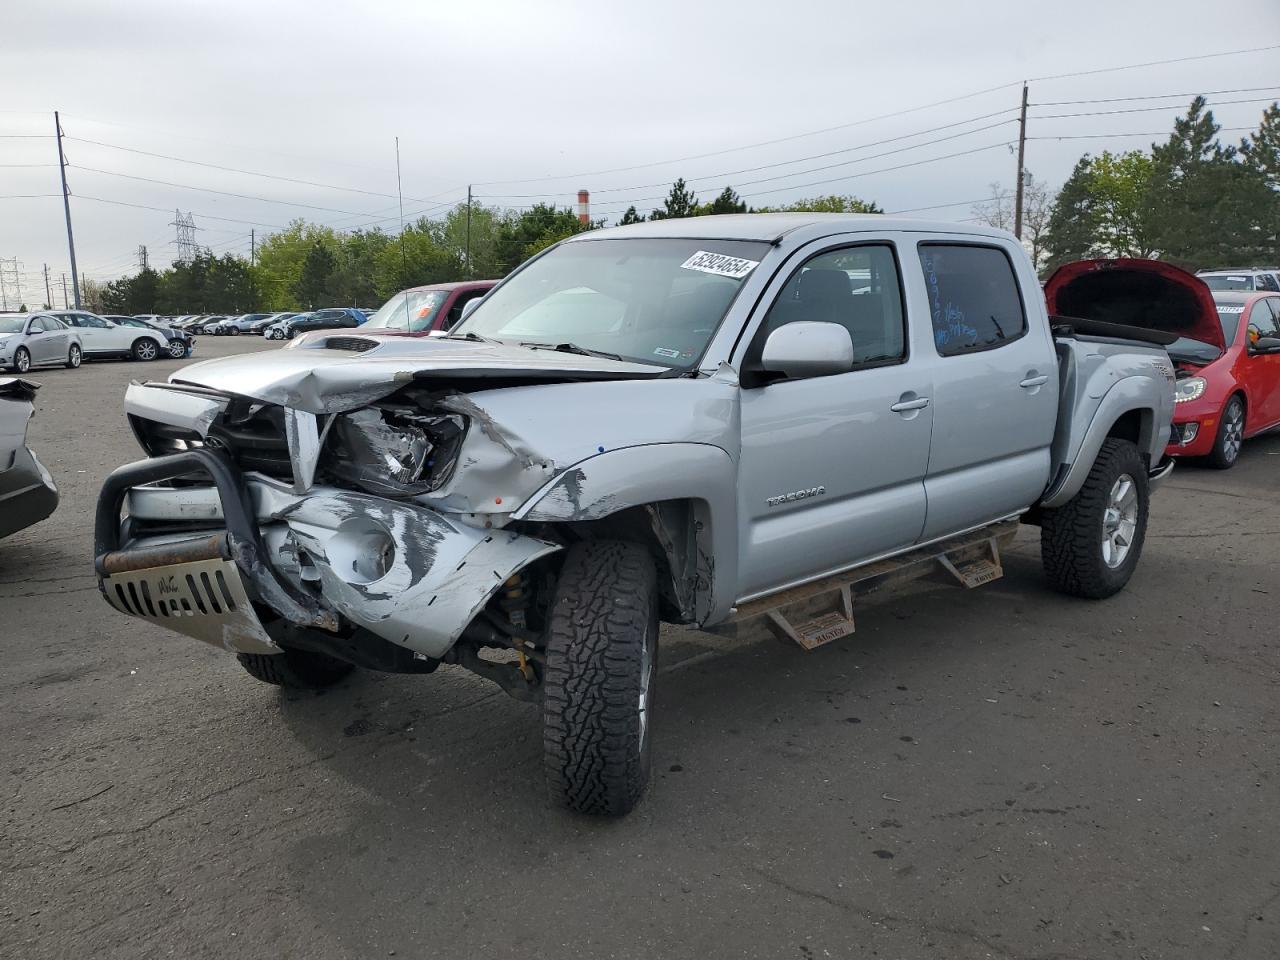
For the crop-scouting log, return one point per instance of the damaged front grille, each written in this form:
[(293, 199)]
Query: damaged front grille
[(251, 433)]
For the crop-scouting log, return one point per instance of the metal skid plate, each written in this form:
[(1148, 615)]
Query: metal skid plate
[(204, 599)]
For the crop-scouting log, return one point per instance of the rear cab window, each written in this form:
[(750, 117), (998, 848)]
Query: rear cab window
[(974, 301)]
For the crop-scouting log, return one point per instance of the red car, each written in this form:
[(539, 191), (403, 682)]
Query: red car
[(419, 311), (1227, 395)]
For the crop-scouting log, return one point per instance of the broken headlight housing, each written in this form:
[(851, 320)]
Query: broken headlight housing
[(395, 451)]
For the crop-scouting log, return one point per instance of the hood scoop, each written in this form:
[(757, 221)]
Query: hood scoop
[(350, 344)]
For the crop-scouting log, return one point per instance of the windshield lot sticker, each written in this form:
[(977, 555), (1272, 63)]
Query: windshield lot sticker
[(1226, 309), (704, 261), (667, 352)]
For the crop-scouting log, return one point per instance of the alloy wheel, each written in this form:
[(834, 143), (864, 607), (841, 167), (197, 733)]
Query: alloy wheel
[(1119, 521)]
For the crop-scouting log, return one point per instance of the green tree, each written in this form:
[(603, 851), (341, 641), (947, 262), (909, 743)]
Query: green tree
[(311, 288), (351, 282), (521, 235), (680, 202), (415, 258), (280, 259), (1262, 150), (1073, 222), (485, 224), (728, 201), (631, 216), (832, 203), (1203, 206)]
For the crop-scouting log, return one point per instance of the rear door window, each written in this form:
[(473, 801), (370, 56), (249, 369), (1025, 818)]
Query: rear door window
[(974, 303)]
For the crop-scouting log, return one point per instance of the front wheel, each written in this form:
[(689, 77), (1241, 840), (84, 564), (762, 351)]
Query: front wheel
[(1226, 445), (602, 651), (177, 349), (21, 360), (1090, 546), (234, 331), (145, 348), (73, 357), (295, 669)]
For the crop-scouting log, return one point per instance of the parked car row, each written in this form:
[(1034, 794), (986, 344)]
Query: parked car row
[(66, 337)]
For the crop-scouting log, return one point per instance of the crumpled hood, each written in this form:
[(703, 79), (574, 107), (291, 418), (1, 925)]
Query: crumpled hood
[(317, 377), (1137, 293)]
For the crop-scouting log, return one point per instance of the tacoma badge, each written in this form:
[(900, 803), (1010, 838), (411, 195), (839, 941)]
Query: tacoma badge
[(795, 495)]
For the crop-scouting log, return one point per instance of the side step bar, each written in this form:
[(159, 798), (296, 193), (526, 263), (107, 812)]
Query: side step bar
[(817, 613)]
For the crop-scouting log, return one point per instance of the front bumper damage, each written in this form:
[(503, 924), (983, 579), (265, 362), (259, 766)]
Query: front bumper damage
[(330, 560)]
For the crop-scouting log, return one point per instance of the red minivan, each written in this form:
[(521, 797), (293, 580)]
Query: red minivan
[(420, 311), (1225, 396)]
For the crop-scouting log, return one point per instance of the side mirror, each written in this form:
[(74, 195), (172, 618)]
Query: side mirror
[(808, 349), (1266, 345), (468, 307)]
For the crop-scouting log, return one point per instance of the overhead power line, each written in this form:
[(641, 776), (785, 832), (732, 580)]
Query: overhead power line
[(1104, 136), (252, 173), (1154, 63), (1166, 107), (169, 210), (224, 193), (1152, 96)]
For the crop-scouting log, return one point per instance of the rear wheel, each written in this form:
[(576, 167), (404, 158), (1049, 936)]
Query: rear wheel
[(1226, 445), (234, 331), (1091, 544), (73, 357), (602, 648), (295, 669), (144, 348), (21, 360)]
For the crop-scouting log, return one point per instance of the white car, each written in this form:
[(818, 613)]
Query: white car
[(1242, 278), (101, 337)]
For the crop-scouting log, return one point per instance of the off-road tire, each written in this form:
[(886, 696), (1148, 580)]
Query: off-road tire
[(1223, 456), (295, 669), (145, 349), (74, 357), (22, 360), (603, 619), (1071, 535)]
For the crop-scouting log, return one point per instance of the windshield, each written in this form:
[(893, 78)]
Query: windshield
[(1229, 282), (1184, 348), (12, 324), (649, 300), (413, 310)]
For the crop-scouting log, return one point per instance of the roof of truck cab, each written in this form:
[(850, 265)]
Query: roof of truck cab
[(771, 227)]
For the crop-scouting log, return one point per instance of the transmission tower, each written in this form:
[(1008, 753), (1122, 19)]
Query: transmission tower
[(10, 282), (186, 236), (142, 257)]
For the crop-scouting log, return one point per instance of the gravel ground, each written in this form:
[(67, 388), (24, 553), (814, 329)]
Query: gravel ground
[(997, 773)]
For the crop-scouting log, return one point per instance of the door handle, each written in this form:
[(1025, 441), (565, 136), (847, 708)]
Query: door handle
[(1034, 381), (902, 406)]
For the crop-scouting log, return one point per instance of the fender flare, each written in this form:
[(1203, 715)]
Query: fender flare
[(648, 473), (1125, 396)]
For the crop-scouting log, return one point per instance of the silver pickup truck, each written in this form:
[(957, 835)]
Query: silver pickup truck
[(724, 422)]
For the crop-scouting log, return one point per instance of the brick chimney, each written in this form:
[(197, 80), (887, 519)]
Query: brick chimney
[(584, 207)]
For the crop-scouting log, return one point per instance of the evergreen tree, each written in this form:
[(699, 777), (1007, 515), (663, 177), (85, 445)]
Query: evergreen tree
[(631, 216), (727, 202), (680, 202), (311, 288)]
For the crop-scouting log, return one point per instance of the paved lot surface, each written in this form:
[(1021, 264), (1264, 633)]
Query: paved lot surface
[(999, 773)]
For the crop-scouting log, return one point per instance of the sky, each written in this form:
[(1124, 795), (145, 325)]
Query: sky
[(910, 105)]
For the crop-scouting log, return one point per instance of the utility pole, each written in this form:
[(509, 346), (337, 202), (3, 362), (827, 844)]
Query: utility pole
[(404, 260), (65, 304), (253, 263), (1022, 152), (66, 206), (468, 231), (48, 296)]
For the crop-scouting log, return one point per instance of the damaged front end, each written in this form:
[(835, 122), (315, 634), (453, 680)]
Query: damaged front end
[(257, 528)]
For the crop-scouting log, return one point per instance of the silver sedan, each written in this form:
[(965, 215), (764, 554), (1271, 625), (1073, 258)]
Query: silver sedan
[(28, 340)]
